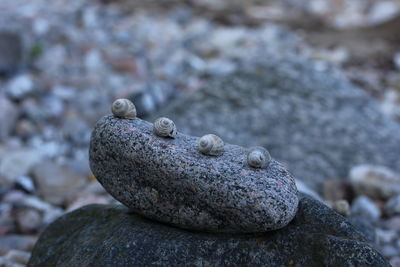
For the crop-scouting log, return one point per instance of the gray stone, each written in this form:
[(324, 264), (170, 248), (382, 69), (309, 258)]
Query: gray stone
[(11, 53), (18, 257), (171, 181), (20, 87), (28, 220), (392, 206), (364, 207), (18, 242), (315, 121), (18, 162), (114, 236), (377, 182), (8, 117), (55, 183)]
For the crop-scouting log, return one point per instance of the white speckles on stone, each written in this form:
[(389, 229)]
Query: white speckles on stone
[(170, 181)]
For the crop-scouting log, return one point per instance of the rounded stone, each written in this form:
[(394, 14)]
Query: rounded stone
[(169, 181)]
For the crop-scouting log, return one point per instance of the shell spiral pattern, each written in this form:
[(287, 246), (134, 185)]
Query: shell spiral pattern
[(123, 108), (258, 157), (211, 144), (165, 127)]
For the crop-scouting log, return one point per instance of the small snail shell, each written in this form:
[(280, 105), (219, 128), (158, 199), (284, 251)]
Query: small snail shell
[(123, 108), (258, 157), (164, 127), (211, 145)]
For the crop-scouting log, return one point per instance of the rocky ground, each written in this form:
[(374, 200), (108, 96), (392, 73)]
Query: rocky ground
[(62, 63)]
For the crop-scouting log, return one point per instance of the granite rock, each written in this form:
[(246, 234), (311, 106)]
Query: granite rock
[(114, 236), (169, 180), (315, 121)]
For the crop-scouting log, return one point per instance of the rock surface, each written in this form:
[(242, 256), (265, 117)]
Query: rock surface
[(113, 236), (170, 181), (315, 121)]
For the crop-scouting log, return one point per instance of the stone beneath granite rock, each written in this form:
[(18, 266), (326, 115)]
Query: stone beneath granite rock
[(377, 182), (315, 121), (114, 236), (56, 183), (169, 180)]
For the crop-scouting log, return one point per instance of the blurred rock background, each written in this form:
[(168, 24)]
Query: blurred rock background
[(62, 63)]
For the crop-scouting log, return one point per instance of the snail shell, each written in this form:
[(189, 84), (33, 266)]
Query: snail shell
[(165, 127), (123, 108), (211, 145), (258, 157)]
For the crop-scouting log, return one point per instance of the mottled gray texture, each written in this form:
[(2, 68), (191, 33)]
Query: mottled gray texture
[(316, 122), (169, 180), (99, 235)]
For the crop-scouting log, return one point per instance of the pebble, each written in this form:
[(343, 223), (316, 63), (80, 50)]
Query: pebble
[(336, 190), (342, 207), (8, 117), (20, 87), (364, 207), (17, 242), (17, 163), (395, 261), (7, 223), (377, 182), (18, 256), (392, 206), (11, 53), (55, 183), (28, 220), (386, 236), (389, 251), (393, 223), (25, 183)]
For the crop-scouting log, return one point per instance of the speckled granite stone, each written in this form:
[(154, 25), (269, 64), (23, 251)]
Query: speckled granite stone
[(315, 122), (170, 181), (100, 235)]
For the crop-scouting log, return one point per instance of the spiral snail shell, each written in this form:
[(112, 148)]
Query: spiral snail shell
[(258, 157), (211, 145), (165, 127), (123, 108)]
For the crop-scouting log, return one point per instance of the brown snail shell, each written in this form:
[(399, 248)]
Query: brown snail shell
[(258, 157), (211, 144), (165, 127), (123, 108)]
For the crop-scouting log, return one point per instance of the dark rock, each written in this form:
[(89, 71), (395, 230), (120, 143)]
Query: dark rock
[(11, 53), (169, 180), (314, 121), (113, 236)]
